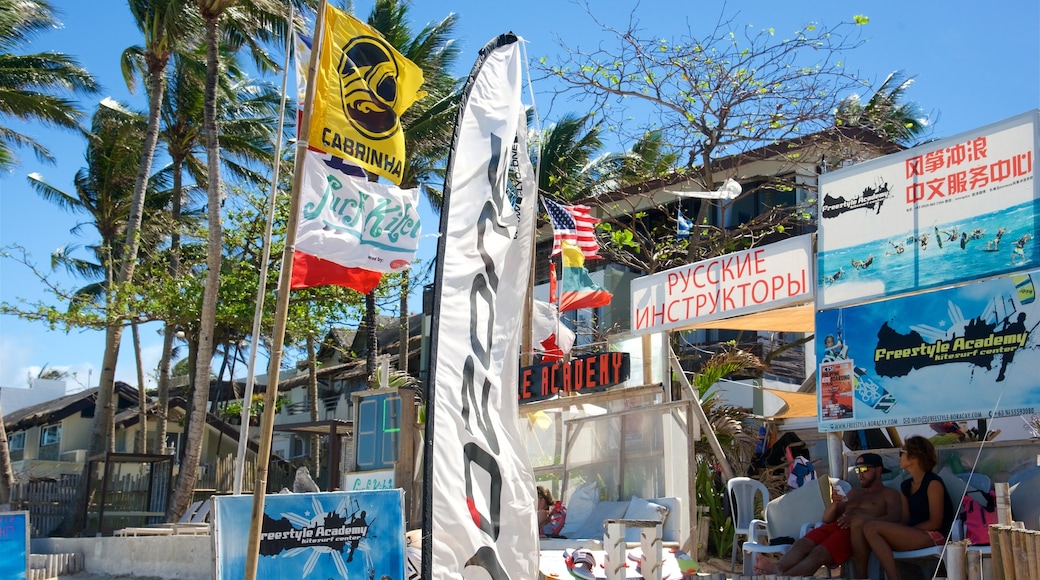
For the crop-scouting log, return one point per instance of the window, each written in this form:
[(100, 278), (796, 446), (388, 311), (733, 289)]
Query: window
[(16, 446), (50, 441)]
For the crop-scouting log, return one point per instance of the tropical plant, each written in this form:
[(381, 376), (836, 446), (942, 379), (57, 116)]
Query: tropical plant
[(886, 112), (35, 88)]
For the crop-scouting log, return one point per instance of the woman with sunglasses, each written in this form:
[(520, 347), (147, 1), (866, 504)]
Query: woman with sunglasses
[(927, 509)]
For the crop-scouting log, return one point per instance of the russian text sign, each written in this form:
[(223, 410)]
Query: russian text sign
[(969, 352), (953, 210), (731, 285)]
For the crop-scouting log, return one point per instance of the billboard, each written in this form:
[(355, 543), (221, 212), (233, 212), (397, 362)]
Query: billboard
[(14, 545), (969, 352), (948, 211), (730, 285), (334, 534)]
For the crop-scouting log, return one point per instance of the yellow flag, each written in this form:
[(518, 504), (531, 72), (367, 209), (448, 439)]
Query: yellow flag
[(363, 87)]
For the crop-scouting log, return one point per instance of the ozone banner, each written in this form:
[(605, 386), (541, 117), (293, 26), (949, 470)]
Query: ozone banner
[(478, 499), (953, 210), (969, 352), (335, 534), (730, 285)]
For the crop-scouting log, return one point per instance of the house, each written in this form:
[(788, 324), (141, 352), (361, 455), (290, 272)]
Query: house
[(50, 439)]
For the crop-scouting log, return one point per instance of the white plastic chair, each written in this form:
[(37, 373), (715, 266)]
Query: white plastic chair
[(758, 542), (929, 552), (742, 492)]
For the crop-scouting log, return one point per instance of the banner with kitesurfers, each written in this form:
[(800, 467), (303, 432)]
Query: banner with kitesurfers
[(969, 352), (953, 210)]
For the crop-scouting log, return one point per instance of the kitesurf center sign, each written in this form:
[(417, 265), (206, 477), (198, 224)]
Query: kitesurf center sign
[(585, 374), (730, 285)]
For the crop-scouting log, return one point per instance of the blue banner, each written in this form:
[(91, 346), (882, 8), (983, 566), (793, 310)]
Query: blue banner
[(14, 545), (314, 535), (969, 352)]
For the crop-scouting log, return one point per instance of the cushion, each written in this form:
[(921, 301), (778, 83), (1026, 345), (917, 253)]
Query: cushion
[(786, 514), (593, 526), (673, 523), (1025, 501), (579, 506), (640, 509), (955, 486)]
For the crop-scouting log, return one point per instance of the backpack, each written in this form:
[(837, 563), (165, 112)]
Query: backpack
[(557, 518), (802, 471), (977, 516)]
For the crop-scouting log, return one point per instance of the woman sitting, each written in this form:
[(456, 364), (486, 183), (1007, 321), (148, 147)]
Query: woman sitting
[(551, 514), (927, 509)]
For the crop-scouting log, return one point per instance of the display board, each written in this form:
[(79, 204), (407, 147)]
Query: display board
[(14, 545), (953, 210), (335, 534), (968, 352)]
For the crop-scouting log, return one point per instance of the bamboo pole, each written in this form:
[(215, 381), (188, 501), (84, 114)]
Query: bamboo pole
[(281, 313)]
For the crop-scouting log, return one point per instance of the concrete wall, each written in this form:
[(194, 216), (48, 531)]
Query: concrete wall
[(173, 557)]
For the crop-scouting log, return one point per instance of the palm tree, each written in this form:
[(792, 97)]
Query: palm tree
[(234, 24), (885, 112), (34, 87)]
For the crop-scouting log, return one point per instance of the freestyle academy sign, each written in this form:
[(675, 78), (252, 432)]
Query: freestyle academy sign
[(585, 374), (731, 285)]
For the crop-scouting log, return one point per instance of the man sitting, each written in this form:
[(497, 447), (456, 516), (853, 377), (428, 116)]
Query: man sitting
[(841, 536)]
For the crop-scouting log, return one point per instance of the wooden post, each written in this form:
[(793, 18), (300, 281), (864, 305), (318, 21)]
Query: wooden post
[(404, 476), (1003, 496)]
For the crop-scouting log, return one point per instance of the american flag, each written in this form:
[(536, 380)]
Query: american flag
[(574, 224)]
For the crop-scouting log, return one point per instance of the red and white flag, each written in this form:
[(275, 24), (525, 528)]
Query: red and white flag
[(574, 224), (551, 337)]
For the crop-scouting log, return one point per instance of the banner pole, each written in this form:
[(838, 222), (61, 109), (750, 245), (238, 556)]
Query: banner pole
[(281, 313), (261, 288)]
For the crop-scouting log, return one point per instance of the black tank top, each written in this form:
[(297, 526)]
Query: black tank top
[(918, 502)]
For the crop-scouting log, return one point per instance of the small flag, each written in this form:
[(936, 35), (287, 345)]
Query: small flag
[(574, 224), (684, 226), (362, 87), (579, 291), (551, 337)]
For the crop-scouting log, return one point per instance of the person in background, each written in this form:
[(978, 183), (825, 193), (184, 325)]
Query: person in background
[(841, 536), (926, 508), (551, 514)]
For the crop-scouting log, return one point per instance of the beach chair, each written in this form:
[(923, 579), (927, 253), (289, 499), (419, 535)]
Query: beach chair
[(194, 522)]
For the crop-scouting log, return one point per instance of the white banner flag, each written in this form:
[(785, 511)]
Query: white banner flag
[(354, 222), (479, 497)]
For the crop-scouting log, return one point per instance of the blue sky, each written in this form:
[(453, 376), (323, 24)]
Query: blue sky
[(975, 63)]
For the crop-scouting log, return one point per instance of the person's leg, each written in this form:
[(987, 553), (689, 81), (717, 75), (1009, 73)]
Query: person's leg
[(817, 557), (860, 548), (884, 537), (766, 565)]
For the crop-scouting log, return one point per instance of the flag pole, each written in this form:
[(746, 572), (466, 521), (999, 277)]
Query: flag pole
[(281, 313), (261, 289)]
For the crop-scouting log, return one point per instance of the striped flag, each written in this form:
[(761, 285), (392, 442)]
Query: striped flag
[(579, 290), (683, 227), (574, 224)]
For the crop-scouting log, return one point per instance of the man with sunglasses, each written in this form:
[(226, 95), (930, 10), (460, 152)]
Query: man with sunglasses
[(841, 536)]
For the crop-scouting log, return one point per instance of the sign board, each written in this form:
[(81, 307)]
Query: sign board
[(584, 374), (948, 211), (335, 534), (14, 545), (368, 480), (731, 285), (969, 352)]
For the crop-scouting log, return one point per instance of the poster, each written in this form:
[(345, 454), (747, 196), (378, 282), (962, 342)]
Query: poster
[(14, 545), (314, 535), (738, 283), (953, 210), (969, 352)]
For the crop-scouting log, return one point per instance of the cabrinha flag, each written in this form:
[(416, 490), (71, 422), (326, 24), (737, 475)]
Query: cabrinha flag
[(574, 224), (363, 87), (579, 291), (478, 494), (352, 222)]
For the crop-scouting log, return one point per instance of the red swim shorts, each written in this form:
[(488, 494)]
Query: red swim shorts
[(836, 540)]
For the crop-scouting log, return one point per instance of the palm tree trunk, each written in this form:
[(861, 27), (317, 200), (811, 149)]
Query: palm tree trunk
[(141, 439), (163, 412), (6, 473), (182, 496)]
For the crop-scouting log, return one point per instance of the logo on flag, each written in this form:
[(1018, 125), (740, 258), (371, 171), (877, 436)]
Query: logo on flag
[(574, 224), (363, 87), (354, 222)]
